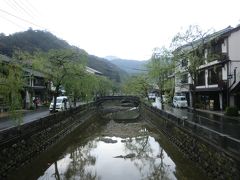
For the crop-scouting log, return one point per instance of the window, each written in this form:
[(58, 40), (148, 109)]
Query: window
[(39, 81), (214, 75), (184, 78), (201, 78)]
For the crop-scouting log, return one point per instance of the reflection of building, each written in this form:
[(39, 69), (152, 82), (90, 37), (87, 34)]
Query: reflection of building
[(218, 82)]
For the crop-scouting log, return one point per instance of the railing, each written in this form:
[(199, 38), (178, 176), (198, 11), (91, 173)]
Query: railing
[(131, 98), (221, 140)]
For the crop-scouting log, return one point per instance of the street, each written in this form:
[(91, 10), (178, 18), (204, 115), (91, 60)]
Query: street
[(221, 124), (6, 122), (28, 116)]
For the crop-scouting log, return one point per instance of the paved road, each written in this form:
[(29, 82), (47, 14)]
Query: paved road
[(28, 116), (6, 122), (221, 124)]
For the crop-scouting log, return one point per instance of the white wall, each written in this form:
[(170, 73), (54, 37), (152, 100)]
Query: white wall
[(224, 72), (232, 66), (234, 45), (234, 56), (224, 46)]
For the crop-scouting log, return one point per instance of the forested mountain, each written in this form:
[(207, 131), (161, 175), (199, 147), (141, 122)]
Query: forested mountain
[(32, 40), (130, 66)]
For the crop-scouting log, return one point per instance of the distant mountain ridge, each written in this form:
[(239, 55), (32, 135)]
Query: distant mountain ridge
[(32, 40), (130, 66)]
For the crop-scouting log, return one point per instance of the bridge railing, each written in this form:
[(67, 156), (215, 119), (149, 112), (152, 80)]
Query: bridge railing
[(104, 98), (221, 140)]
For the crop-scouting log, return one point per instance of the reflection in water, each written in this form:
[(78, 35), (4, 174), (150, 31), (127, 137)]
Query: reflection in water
[(139, 157), (115, 151), (75, 165)]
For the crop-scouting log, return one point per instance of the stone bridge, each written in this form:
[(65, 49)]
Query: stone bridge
[(119, 108)]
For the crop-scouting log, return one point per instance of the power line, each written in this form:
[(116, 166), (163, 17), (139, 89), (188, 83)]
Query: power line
[(26, 5), (22, 8), (29, 22), (11, 5), (12, 22), (32, 7)]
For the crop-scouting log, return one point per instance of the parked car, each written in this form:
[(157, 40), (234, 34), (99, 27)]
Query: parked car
[(62, 104), (180, 101), (152, 96)]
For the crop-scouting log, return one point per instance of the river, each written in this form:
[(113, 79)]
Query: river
[(110, 150)]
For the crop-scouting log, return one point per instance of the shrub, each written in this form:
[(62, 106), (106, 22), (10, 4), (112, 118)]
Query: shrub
[(231, 111), (31, 108)]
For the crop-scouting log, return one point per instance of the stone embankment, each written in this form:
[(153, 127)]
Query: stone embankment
[(212, 158), (19, 145)]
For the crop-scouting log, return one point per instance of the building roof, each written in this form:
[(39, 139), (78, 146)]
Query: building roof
[(221, 33), (93, 71), (7, 59), (4, 58), (34, 73)]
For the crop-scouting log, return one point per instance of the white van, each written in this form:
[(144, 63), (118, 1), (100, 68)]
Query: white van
[(62, 104), (180, 101)]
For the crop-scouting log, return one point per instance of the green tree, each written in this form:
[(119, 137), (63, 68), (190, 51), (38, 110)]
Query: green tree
[(11, 85), (84, 87), (60, 66), (137, 85), (160, 67), (189, 48), (104, 86)]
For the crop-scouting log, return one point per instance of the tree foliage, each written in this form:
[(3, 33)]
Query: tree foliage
[(11, 85), (103, 86), (189, 46), (60, 67), (160, 67), (137, 85), (36, 40)]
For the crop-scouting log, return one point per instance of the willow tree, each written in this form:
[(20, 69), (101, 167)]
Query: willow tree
[(160, 68), (103, 86), (84, 87), (11, 85), (59, 67), (137, 85), (189, 48)]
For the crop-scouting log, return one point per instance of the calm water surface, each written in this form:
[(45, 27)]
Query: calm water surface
[(115, 151)]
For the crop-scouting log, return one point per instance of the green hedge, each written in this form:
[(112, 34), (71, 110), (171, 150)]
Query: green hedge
[(231, 111)]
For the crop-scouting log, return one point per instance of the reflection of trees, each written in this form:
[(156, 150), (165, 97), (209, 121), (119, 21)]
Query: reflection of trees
[(145, 158), (82, 161)]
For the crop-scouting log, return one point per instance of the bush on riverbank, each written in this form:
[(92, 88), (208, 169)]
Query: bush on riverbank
[(231, 111)]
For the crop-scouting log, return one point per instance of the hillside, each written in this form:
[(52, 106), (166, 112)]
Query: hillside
[(130, 66), (32, 40)]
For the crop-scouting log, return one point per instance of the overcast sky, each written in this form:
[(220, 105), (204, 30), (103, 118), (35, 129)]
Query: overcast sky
[(127, 29)]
